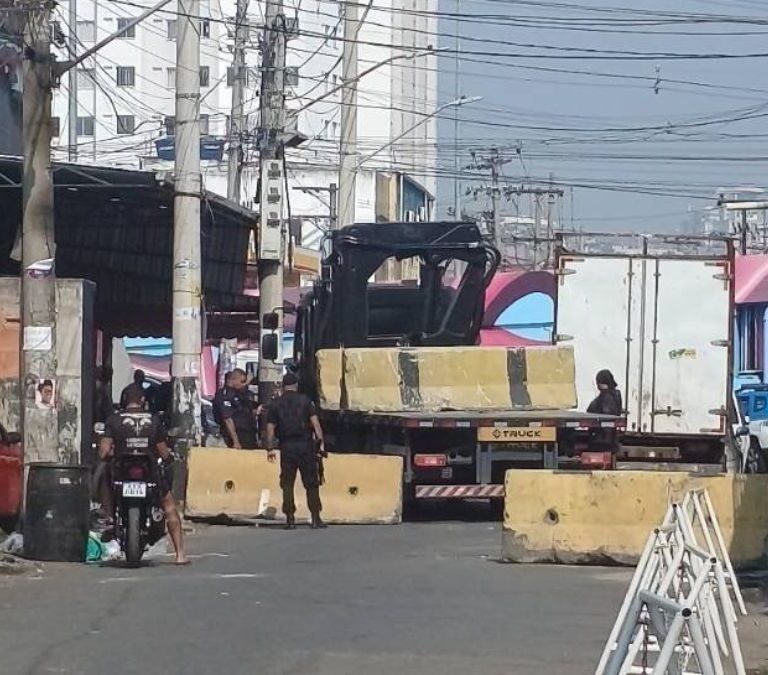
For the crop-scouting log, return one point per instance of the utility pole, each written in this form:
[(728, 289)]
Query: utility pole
[(348, 144), (38, 269), (271, 156), (187, 278), (38, 272), (332, 190), (235, 156), (333, 201), (72, 126), (493, 163)]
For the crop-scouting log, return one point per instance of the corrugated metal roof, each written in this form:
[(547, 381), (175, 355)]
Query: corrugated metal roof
[(115, 227)]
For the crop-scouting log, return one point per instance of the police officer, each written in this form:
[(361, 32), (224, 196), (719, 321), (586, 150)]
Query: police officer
[(292, 418), (234, 411), (136, 428)]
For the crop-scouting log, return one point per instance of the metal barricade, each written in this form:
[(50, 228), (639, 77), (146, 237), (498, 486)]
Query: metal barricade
[(679, 615)]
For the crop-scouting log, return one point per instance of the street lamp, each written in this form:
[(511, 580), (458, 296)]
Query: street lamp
[(462, 100)]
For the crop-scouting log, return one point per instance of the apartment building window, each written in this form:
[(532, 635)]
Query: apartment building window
[(86, 31), (205, 125), (126, 124), (126, 76), (170, 78), (172, 28), (85, 126), (330, 34), (55, 127), (334, 129), (126, 33), (230, 76), (85, 79), (205, 28), (170, 126), (291, 76), (205, 76)]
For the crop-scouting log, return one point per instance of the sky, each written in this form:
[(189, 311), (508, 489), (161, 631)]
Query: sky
[(595, 92)]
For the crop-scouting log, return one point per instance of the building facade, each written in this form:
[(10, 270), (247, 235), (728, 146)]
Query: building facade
[(125, 100)]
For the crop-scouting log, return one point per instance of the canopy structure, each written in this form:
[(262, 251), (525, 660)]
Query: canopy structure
[(115, 227)]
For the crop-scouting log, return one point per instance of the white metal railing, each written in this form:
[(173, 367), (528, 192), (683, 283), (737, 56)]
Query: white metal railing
[(680, 612)]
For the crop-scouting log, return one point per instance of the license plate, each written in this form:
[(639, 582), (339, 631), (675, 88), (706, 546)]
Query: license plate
[(134, 489), (446, 474)]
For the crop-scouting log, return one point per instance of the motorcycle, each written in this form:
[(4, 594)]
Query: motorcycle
[(139, 516)]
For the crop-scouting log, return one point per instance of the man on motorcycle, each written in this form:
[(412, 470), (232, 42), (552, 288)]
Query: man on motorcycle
[(135, 428)]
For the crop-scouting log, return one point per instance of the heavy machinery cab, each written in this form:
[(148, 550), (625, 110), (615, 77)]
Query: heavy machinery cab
[(344, 309)]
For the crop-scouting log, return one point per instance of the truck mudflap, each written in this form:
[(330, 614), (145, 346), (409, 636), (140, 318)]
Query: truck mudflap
[(459, 491)]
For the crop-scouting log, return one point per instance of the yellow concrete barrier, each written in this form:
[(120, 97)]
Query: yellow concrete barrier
[(372, 379), (606, 516), (330, 378), (446, 378), (463, 377), (243, 484)]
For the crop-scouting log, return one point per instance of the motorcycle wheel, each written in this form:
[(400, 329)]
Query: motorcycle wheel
[(133, 548)]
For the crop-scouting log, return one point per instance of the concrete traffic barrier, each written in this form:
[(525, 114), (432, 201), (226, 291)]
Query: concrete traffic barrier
[(243, 484), (604, 517), (446, 378)]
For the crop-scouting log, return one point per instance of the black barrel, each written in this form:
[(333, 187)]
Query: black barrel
[(57, 513)]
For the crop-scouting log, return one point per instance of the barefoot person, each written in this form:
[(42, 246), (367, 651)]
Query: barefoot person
[(136, 428)]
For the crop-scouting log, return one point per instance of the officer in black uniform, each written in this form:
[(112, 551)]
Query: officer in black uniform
[(292, 418), (135, 428), (235, 412)]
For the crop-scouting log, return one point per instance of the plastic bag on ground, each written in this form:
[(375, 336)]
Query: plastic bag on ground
[(111, 550), (13, 544), (95, 549)]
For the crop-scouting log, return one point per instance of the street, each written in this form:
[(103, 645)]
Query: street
[(427, 598)]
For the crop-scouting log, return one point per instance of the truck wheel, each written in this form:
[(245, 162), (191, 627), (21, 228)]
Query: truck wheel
[(756, 460), (133, 547)]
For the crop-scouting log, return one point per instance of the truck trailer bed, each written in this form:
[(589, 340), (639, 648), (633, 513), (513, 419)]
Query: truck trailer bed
[(481, 418)]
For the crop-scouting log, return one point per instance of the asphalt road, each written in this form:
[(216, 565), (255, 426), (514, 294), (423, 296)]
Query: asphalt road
[(421, 598)]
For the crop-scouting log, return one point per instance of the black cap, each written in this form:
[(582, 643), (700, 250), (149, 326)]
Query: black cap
[(290, 380)]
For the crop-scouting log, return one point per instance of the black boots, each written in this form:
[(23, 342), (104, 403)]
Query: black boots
[(290, 523)]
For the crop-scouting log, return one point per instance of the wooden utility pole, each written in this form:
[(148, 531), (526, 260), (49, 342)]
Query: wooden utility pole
[(236, 119), (348, 142), (271, 221), (187, 277), (38, 271)]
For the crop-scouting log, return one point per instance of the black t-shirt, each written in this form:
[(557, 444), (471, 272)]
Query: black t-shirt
[(290, 413), (236, 405), (135, 430), (608, 402)]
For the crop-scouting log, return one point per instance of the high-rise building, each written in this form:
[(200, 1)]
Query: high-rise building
[(125, 99)]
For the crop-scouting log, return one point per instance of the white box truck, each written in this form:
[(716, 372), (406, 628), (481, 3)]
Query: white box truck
[(662, 324)]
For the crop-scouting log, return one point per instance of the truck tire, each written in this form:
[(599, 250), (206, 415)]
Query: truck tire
[(133, 547), (756, 459)]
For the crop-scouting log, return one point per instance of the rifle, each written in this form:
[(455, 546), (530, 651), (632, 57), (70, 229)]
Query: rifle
[(320, 465)]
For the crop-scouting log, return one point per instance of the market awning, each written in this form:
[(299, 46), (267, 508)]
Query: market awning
[(115, 227)]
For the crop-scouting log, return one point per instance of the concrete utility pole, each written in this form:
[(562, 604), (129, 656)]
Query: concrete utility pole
[(72, 114), (493, 163), (38, 273), (271, 221), (348, 144), (236, 121), (187, 278)]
